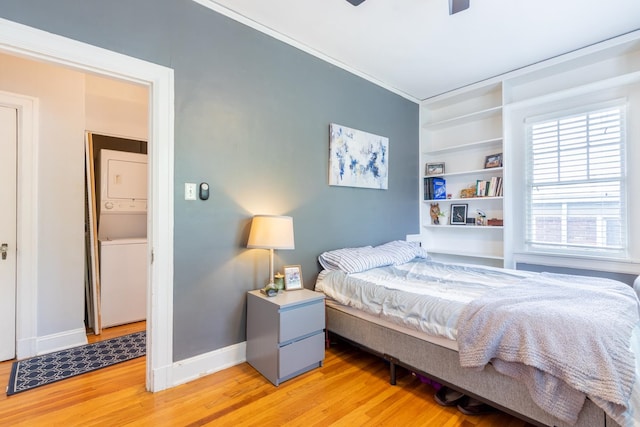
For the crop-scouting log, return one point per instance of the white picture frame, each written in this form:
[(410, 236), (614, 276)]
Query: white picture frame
[(292, 277)]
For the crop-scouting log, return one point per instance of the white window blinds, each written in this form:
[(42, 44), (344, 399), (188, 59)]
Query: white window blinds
[(575, 183)]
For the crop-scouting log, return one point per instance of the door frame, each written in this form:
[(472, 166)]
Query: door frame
[(27, 42)]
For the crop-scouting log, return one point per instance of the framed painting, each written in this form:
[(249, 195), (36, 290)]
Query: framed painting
[(357, 158)]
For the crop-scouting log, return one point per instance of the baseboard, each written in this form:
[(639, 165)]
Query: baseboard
[(208, 363), (61, 341), (26, 348)]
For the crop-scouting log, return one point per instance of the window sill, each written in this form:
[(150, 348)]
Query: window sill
[(614, 265)]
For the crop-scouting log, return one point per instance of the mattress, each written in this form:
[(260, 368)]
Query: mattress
[(441, 341)]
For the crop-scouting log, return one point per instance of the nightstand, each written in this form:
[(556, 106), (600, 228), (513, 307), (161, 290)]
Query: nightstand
[(285, 333)]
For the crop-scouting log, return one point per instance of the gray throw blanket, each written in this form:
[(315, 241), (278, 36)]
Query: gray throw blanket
[(563, 338)]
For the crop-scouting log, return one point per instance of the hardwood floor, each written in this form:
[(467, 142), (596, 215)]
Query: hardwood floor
[(351, 389)]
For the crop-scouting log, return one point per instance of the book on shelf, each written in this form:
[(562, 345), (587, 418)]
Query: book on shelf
[(435, 188), (490, 188)]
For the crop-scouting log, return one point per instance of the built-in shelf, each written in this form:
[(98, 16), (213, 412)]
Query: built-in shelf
[(471, 172), (468, 199), (469, 226), (467, 146), (461, 131), (475, 115)]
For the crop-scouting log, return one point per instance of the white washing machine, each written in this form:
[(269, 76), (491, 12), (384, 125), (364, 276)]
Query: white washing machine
[(123, 281), (122, 233)]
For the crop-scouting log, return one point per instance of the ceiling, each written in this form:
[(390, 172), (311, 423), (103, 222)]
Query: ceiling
[(416, 49)]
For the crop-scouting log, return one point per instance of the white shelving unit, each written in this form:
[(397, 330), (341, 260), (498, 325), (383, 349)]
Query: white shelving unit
[(460, 130), (462, 127)]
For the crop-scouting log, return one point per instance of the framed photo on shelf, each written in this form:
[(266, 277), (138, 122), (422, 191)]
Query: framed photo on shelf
[(434, 169), (493, 161), (458, 214), (292, 277)]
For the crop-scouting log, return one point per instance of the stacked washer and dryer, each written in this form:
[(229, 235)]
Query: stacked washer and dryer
[(122, 232)]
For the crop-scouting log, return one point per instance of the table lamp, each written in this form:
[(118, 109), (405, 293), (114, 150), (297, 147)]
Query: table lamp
[(271, 232)]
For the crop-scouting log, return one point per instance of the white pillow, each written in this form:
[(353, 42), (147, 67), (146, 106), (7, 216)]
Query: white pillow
[(355, 260)]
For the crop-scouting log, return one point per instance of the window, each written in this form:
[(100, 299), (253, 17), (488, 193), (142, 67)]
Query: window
[(575, 183)]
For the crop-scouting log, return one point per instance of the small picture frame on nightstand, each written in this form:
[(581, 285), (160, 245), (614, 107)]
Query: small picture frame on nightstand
[(292, 277)]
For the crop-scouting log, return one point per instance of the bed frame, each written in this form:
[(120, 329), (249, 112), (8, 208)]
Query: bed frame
[(442, 365)]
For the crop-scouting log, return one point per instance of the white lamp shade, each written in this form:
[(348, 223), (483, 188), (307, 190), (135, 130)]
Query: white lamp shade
[(271, 232)]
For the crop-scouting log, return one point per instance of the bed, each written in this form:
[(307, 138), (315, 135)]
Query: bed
[(554, 350)]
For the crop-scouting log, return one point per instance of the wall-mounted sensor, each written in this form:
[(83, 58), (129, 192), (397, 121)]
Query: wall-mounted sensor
[(204, 191)]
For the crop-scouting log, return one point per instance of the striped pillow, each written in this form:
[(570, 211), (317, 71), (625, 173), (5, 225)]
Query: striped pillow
[(354, 260)]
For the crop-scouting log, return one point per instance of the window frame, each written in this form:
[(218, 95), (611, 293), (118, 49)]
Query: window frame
[(565, 248)]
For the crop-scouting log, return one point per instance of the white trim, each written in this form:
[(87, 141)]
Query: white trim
[(208, 363), (27, 230), (60, 341), (32, 43), (210, 4), (581, 262)]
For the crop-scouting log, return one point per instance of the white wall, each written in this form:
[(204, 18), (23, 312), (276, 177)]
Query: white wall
[(70, 102), (60, 184), (116, 108)]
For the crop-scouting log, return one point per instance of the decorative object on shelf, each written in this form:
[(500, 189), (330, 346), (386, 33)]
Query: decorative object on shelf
[(494, 222), (269, 290), (481, 217), (434, 169), (357, 158), (459, 214), (467, 193), (435, 213), (278, 279), (292, 277), (271, 232), (493, 161)]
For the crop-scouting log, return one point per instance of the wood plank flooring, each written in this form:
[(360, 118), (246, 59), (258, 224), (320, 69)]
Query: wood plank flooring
[(351, 389)]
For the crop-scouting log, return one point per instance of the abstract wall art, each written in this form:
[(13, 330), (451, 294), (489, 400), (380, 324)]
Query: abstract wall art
[(357, 158)]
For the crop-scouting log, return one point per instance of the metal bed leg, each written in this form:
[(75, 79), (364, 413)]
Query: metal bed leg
[(392, 368)]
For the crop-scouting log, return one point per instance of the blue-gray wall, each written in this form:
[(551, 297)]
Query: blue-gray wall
[(251, 119)]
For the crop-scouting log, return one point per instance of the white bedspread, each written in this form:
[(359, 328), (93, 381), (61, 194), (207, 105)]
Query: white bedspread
[(429, 297), (423, 295)]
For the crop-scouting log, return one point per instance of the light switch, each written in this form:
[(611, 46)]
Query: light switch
[(190, 191)]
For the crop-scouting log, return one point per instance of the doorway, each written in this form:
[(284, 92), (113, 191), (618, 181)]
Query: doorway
[(27, 42), (116, 215)]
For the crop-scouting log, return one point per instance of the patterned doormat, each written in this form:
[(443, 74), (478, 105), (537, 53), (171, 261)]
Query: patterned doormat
[(48, 368)]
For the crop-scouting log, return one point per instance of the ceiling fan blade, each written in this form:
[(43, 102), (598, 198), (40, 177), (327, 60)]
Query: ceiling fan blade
[(355, 2), (456, 6)]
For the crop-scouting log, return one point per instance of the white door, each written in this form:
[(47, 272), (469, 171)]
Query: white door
[(8, 144)]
